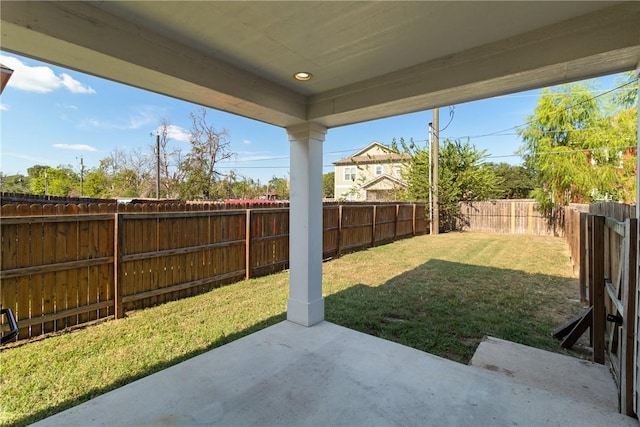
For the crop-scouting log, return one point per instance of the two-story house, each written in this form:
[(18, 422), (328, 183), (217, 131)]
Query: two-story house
[(374, 173)]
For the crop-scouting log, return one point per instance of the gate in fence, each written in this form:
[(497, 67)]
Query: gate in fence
[(608, 266)]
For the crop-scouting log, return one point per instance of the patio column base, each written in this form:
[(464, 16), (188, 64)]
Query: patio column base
[(305, 314)]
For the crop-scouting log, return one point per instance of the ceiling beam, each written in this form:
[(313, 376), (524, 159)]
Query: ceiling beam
[(79, 36)]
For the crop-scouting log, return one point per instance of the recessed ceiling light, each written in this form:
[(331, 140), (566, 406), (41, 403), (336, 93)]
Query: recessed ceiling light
[(303, 76)]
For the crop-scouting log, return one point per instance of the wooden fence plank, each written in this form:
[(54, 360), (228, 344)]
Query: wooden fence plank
[(599, 315), (37, 258), (628, 357), (23, 311), (8, 287), (582, 259), (49, 245), (105, 272), (59, 256)]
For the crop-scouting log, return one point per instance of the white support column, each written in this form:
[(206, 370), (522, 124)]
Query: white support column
[(638, 156), (636, 321), (306, 304)]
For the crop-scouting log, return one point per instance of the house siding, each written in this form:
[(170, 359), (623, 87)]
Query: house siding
[(372, 162)]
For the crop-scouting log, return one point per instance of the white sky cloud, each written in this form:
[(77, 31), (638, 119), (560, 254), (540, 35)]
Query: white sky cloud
[(246, 142), (4, 107), (248, 156), (142, 117), (76, 147), (177, 133), (68, 106), (34, 159), (41, 79)]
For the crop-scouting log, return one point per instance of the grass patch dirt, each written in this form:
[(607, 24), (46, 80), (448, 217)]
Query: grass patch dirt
[(440, 294)]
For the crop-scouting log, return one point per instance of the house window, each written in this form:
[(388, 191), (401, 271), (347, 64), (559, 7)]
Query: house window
[(350, 173), (379, 170), (397, 171)]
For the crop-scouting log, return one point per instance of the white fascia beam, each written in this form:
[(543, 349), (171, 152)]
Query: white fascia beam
[(79, 36), (604, 42)]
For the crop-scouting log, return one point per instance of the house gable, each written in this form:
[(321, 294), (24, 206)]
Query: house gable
[(384, 182), (374, 168)]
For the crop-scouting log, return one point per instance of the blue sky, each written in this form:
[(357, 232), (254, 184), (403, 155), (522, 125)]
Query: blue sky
[(52, 116)]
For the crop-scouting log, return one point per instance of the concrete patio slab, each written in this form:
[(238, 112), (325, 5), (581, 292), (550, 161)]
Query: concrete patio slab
[(329, 375), (568, 376)]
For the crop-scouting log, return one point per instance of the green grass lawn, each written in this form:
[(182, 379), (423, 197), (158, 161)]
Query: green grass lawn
[(440, 294)]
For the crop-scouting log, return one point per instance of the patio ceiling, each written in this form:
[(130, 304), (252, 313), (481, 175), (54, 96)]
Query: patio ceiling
[(368, 59)]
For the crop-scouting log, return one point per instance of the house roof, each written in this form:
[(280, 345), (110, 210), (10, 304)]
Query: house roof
[(381, 178), (369, 59), (382, 158), (5, 75), (361, 156)]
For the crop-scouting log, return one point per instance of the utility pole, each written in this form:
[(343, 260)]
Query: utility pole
[(46, 182), (157, 166), (430, 179), (435, 227), (81, 176)]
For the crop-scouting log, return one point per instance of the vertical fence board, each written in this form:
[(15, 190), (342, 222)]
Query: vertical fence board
[(583, 255), (105, 276), (8, 287), (118, 270), (628, 355), (37, 280), (50, 298), (60, 252), (84, 244), (23, 283), (599, 315)]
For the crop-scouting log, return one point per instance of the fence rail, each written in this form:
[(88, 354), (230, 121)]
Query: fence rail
[(65, 265)]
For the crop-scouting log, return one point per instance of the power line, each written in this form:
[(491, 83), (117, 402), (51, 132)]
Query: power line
[(558, 112), (503, 132)]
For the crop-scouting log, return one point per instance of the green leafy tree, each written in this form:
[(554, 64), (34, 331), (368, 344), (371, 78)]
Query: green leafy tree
[(463, 176), (279, 186), (60, 181), (96, 184), (581, 146), (513, 181), (328, 184), (17, 183)]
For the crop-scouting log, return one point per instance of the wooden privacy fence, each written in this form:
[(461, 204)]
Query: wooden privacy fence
[(605, 248), (509, 216), (68, 265)]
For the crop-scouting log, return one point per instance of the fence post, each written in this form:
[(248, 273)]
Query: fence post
[(339, 249), (413, 222), (373, 227), (597, 261), (582, 255), (629, 317), (395, 229), (118, 309), (247, 245)]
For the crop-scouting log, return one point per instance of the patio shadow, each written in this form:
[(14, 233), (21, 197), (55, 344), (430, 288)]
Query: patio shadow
[(446, 308)]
